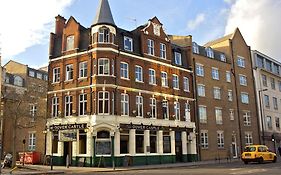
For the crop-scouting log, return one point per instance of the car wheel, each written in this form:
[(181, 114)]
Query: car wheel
[(260, 160), (246, 162), (275, 159)]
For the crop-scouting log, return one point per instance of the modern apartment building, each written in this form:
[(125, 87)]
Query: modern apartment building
[(119, 97), (23, 108), (268, 88), (226, 103)]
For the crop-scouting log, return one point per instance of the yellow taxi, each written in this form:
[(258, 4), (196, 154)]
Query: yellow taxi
[(258, 153)]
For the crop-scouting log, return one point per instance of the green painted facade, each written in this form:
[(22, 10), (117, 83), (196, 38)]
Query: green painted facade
[(98, 161)]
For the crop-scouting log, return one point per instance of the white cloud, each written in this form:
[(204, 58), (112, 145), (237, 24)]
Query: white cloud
[(193, 24), (229, 1), (259, 22), (27, 23)]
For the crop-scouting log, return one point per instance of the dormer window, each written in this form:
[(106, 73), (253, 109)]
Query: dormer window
[(178, 58), (128, 43), (209, 52), (103, 35), (18, 81), (222, 57), (70, 42), (195, 48)]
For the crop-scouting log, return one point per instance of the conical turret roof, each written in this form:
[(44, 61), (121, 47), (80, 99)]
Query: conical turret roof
[(104, 15)]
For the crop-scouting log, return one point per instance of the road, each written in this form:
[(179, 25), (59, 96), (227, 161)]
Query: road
[(235, 168)]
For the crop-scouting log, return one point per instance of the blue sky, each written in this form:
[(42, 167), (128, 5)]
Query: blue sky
[(205, 20)]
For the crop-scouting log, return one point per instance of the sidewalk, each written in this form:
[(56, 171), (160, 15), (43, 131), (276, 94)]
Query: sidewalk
[(42, 169)]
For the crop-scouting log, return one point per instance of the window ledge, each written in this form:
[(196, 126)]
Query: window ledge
[(55, 83), (68, 81), (127, 79), (82, 78), (176, 89), (139, 81)]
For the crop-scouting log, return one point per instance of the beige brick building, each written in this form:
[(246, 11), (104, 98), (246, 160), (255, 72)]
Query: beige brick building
[(24, 104)]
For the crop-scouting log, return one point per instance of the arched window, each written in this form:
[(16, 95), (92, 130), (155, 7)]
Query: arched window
[(18, 81), (103, 35), (103, 143), (209, 52), (195, 48)]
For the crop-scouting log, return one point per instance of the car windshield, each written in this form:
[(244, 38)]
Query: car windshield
[(250, 149)]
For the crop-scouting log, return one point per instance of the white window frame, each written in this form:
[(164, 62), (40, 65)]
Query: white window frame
[(150, 47), (69, 43), (139, 106), (103, 100), (217, 93), (164, 79), (166, 102), (204, 139), (272, 83), (56, 74), (247, 118), (241, 62), (55, 106), (124, 71), (83, 102), (209, 52), (68, 107), (103, 35), (83, 69), (248, 138), (130, 40), (138, 74), (220, 139), (187, 112), (32, 141), (152, 76), (177, 110), (163, 51), (243, 80), (125, 104), (153, 107), (218, 114), (103, 66), (178, 60), (228, 76), (33, 111), (176, 83), (199, 70), (201, 90), (186, 84), (231, 114), (215, 73), (202, 114), (195, 48), (229, 95), (69, 72), (245, 100), (275, 103)]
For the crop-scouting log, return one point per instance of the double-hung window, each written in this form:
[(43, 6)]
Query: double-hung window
[(128, 43), (125, 104), (247, 118), (68, 105), (186, 84), (150, 47), (201, 90), (204, 139), (177, 110), (152, 77), (165, 109), (178, 58), (164, 79), (220, 139), (138, 74), (70, 42), (187, 112), (175, 81), (31, 141), (217, 93), (241, 62), (69, 72), (139, 106), (203, 114), (218, 112), (55, 106), (215, 73), (103, 102), (243, 80), (244, 97), (103, 35), (103, 66), (162, 51), (83, 69), (82, 104), (153, 107), (248, 138), (228, 76), (199, 70), (124, 70)]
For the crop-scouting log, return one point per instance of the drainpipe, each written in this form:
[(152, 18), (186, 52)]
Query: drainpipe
[(196, 112), (236, 93)]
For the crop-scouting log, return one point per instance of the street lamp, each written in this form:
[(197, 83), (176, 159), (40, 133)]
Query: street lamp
[(261, 113)]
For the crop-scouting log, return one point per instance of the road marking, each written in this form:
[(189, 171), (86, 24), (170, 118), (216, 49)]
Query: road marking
[(247, 171)]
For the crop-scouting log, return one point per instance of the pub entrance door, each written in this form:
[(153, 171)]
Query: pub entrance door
[(67, 153), (178, 147)]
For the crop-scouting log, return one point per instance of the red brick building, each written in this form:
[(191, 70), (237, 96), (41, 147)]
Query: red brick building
[(115, 94)]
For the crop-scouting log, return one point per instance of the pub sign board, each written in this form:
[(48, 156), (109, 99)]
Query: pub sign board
[(68, 126), (68, 135)]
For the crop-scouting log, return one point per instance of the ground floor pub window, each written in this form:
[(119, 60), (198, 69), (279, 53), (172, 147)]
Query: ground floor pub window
[(55, 141), (124, 142), (82, 142), (166, 142), (139, 142), (103, 143), (153, 142)]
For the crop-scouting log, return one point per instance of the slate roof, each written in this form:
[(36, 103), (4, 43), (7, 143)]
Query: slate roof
[(104, 15)]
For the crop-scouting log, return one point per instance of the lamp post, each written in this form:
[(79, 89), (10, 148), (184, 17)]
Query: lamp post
[(261, 114)]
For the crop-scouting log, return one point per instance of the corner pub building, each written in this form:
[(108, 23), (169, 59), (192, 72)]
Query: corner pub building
[(117, 96)]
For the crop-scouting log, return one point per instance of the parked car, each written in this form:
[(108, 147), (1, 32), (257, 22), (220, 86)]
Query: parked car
[(258, 153)]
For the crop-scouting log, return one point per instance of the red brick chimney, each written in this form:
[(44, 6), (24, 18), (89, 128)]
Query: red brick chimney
[(60, 22)]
